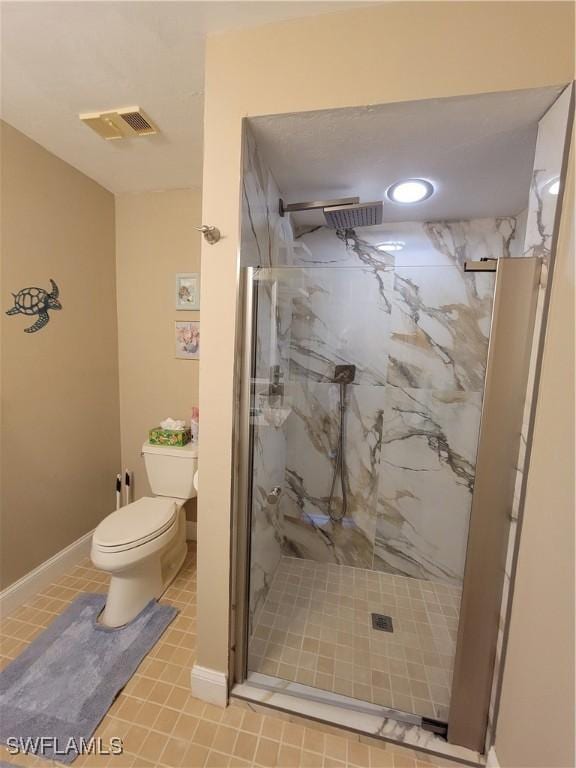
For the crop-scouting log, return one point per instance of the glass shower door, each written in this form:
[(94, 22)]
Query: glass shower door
[(366, 393)]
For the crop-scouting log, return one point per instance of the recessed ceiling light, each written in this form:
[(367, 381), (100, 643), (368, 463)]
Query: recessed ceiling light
[(391, 245), (554, 187), (410, 191)]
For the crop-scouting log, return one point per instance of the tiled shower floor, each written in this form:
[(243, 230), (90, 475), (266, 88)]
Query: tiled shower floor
[(315, 628)]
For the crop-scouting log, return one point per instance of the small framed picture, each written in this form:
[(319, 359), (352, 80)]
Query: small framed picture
[(188, 290), (188, 340)]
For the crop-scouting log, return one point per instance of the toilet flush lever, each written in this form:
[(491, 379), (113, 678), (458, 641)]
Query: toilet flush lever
[(274, 495)]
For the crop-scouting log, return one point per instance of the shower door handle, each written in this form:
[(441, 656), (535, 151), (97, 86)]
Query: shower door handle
[(274, 495)]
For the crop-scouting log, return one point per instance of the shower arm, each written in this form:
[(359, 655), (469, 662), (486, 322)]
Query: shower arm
[(315, 205)]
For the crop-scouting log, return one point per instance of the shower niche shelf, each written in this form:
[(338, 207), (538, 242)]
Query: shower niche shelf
[(269, 417)]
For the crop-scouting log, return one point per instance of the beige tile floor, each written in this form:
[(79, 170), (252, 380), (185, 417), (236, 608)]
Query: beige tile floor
[(163, 725), (315, 628)]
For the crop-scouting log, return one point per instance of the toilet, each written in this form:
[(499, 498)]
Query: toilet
[(143, 545)]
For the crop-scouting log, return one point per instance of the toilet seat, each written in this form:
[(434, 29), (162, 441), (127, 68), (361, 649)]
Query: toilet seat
[(135, 524)]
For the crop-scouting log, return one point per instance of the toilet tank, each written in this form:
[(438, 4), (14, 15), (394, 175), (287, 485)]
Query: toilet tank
[(171, 470)]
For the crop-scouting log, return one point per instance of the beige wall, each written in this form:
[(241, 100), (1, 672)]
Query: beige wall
[(60, 420), (346, 59), (155, 239), (538, 683)]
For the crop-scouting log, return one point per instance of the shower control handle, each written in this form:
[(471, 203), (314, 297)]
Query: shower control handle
[(274, 495)]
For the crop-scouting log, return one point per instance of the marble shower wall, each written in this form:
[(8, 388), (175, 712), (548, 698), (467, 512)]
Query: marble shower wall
[(416, 327), (269, 461), (548, 159), (266, 237), (264, 240)]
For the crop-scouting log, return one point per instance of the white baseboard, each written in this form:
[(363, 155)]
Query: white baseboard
[(52, 569), (209, 685), (41, 577), (491, 759)]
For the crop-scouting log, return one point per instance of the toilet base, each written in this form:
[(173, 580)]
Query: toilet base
[(131, 590), (129, 593)]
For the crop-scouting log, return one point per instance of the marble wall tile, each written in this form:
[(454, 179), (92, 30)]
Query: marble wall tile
[(440, 323), (437, 243), (418, 335), (263, 231), (312, 444), (263, 237), (269, 460), (341, 316), (383, 319), (267, 530), (473, 240), (548, 159), (426, 478)]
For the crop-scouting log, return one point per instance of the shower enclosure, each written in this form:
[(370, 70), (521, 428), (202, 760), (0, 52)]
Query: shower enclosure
[(362, 410), (361, 413), (383, 391), (366, 396)]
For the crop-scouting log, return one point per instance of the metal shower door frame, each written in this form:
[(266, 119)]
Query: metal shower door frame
[(505, 389), (242, 496)]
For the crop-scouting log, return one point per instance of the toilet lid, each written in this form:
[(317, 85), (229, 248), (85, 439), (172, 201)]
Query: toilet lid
[(135, 523)]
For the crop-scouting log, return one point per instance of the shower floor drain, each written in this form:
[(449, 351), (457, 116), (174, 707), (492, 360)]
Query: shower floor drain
[(381, 622)]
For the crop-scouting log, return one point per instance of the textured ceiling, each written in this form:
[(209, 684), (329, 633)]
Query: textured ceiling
[(477, 150), (63, 58)]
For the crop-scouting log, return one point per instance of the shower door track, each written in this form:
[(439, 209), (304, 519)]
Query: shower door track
[(319, 696), (342, 711)]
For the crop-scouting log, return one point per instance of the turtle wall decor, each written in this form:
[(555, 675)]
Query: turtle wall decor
[(36, 301)]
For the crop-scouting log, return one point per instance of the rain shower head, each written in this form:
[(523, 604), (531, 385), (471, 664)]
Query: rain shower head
[(346, 213), (350, 216)]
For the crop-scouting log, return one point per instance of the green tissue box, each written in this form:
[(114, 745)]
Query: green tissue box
[(175, 437)]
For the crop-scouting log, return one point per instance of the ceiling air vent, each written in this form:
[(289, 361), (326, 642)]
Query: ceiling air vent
[(139, 124), (120, 123)]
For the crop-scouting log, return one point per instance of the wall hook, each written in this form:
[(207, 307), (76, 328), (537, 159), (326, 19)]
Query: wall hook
[(211, 234)]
